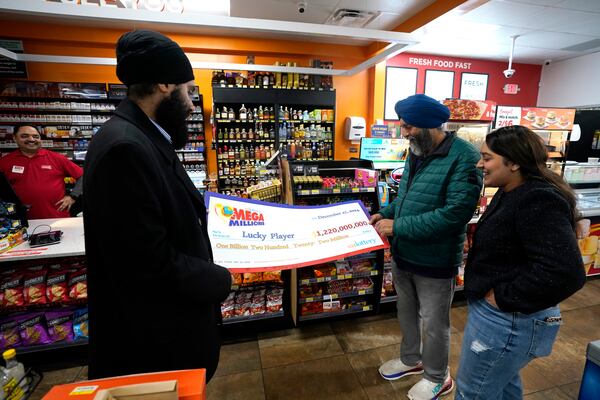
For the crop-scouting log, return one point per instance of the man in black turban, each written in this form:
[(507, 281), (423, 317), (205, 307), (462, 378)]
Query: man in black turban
[(154, 292)]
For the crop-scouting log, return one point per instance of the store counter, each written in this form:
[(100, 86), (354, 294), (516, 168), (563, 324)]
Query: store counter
[(71, 244)]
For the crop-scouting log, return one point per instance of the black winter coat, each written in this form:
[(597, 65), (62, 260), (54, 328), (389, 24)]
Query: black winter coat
[(154, 292), (525, 249)]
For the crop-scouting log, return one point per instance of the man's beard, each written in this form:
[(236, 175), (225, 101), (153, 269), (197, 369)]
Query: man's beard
[(171, 115), (421, 144)]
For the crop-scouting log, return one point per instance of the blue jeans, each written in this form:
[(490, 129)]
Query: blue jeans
[(496, 345)]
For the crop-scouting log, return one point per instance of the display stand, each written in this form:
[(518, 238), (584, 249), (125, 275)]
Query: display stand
[(251, 124), (351, 286)]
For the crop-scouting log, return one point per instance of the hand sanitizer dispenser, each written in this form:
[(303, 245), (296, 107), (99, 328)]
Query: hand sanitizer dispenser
[(355, 128)]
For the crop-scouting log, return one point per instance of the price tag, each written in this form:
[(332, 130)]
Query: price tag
[(374, 273), (305, 281), (361, 292), (309, 299), (315, 191), (333, 296), (507, 116), (82, 390), (312, 170), (336, 190), (297, 169), (366, 308), (355, 190), (321, 279)]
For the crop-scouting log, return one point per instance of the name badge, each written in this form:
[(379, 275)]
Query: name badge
[(46, 166), (17, 169)]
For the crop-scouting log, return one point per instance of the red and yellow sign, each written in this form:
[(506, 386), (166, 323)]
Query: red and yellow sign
[(548, 118), (471, 110)]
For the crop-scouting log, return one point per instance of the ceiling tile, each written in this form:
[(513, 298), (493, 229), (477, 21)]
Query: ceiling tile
[(581, 5), (281, 10), (515, 15), (409, 7), (536, 2), (551, 40)]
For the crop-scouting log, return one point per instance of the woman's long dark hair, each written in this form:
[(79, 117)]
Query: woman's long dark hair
[(522, 146)]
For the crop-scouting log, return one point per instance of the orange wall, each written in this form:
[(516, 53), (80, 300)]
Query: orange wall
[(353, 93)]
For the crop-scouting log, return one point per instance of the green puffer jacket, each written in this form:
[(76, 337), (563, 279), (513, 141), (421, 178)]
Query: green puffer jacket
[(433, 206)]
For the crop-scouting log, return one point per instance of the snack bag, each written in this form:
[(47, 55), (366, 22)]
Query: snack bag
[(274, 299), (34, 286), (57, 288), (32, 330), (78, 285), (236, 279), (251, 277), (274, 276), (9, 334), (60, 325), (228, 306), (80, 323), (13, 290)]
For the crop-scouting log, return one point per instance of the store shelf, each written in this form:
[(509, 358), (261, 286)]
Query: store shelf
[(243, 141), (389, 299), (313, 192), (312, 89), (579, 182), (353, 310), (304, 140), (53, 346), (334, 296), (246, 318), (338, 277), (311, 121), (238, 121), (190, 151)]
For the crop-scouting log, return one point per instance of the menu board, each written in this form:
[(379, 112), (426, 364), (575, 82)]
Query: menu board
[(548, 118), (471, 110)]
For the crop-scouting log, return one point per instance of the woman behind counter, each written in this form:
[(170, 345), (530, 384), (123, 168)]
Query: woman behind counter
[(523, 262)]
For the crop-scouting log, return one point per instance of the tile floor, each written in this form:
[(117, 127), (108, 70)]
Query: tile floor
[(339, 360)]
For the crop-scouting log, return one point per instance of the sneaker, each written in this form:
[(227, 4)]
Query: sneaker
[(427, 390), (396, 369)]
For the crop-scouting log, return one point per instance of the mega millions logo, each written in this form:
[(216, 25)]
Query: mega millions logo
[(239, 216)]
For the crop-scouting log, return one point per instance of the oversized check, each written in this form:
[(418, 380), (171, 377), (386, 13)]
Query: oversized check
[(250, 235)]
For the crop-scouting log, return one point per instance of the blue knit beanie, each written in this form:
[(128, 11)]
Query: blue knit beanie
[(422, 111)]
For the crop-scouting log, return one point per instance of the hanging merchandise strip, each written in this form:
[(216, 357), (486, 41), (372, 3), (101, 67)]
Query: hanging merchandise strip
[(250, 235)]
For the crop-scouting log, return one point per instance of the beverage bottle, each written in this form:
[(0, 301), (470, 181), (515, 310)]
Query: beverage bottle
[(277, 76), (16, 370), (243, 112)]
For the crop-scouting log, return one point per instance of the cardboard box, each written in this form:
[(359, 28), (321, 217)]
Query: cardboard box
[(190, 386), (367, 177), (143, 391)]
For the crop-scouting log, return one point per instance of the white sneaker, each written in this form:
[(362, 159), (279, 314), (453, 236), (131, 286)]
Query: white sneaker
[(396, 369), (427, 390)]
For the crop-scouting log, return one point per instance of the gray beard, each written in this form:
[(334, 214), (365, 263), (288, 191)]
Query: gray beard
[(415, 149), (422, 144)]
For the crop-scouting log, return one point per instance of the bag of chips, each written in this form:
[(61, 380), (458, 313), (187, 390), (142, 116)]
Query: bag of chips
[(80, 324), (274, 276), (32, 330), (60, 325), (57, 288), (13, 290), (9, 334), (78, 285), (237, 279), (34, 286)]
